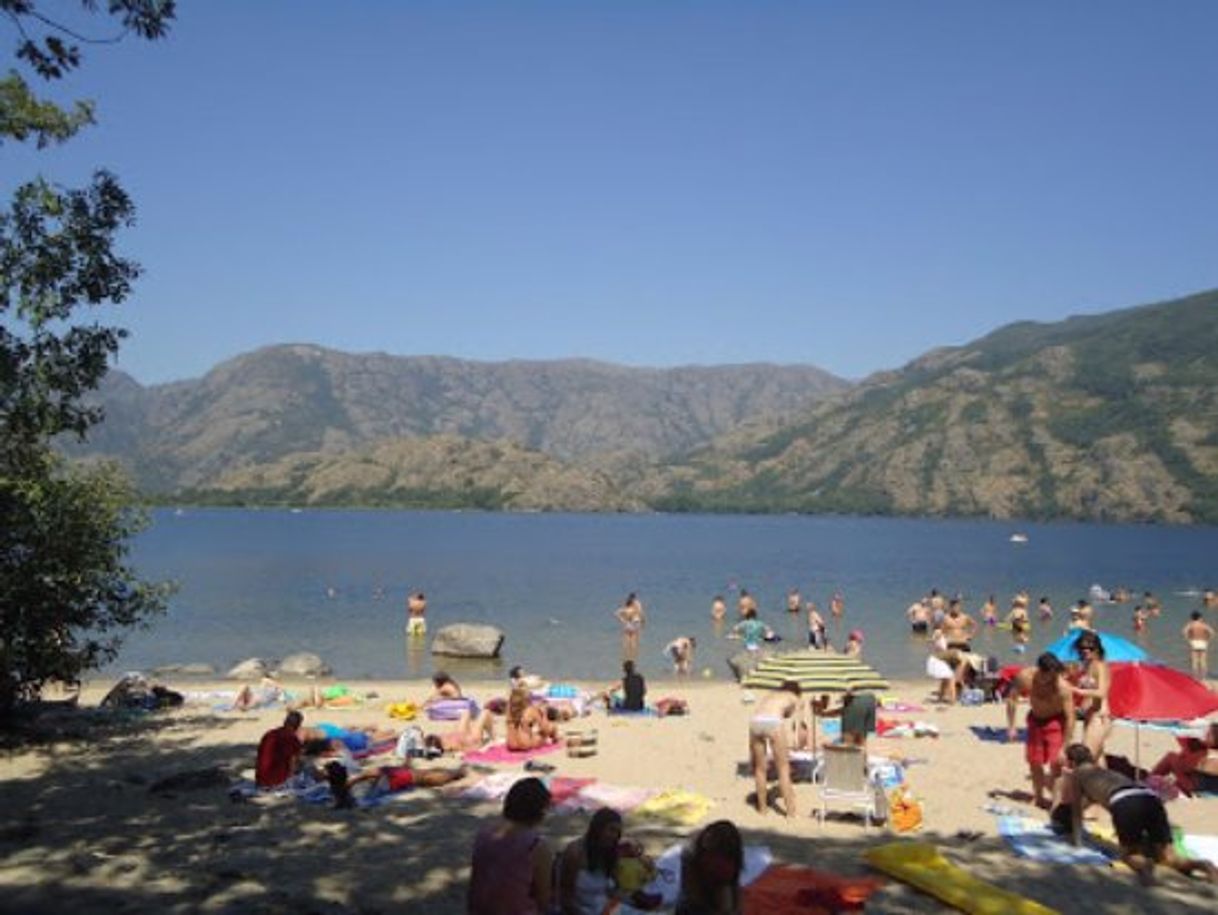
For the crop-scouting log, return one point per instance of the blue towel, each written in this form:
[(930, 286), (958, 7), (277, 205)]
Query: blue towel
[(992, 734), (1034, 840)]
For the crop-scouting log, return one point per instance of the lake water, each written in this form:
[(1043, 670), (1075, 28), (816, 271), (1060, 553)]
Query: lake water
[(269, 582)]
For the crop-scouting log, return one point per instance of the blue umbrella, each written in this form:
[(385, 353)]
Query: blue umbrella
[(1115, 647)]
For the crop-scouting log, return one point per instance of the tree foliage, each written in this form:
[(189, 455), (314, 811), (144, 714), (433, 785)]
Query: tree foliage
[(67, 593)]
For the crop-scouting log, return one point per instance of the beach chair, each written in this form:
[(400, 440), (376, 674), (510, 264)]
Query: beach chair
[(842, 778)]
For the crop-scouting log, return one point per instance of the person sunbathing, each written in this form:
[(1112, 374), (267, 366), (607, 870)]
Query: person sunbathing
[(470, 732), (373, 782), (1194, 767), (356, 738), (527, 726)]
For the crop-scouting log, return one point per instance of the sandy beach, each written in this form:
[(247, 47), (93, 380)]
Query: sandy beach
[(80, 829)]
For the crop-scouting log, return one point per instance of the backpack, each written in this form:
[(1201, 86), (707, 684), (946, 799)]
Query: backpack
[(410, 744)]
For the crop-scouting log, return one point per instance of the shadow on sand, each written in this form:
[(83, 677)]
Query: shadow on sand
[(88, 835)]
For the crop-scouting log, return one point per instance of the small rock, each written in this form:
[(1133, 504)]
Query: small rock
[(304, 664), (249, 669)]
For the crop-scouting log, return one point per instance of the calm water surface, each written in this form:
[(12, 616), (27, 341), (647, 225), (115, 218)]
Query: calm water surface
[(267, 583)]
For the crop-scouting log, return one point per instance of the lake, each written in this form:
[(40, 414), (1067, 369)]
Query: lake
[(270, 582)]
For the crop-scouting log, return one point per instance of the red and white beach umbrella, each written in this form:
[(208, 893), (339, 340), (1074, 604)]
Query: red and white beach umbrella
[(1151, 692)]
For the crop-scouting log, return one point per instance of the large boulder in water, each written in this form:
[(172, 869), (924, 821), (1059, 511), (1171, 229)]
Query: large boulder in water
[(743, 662), (468, 640), (303, 664), (249, 669)]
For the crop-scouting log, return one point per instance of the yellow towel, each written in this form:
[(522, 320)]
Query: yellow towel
[(403, 711), (676, 806)]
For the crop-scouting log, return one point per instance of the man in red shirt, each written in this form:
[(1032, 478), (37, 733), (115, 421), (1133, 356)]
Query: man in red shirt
[(279, 753)]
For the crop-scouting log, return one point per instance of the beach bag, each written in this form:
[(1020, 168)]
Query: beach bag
[(411, 743), (402, 711), (634, 868), (904, 811)]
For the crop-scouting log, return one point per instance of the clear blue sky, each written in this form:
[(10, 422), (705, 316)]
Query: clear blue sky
[(846, 184)]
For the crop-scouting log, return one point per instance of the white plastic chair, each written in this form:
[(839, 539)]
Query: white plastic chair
[(842, 777)]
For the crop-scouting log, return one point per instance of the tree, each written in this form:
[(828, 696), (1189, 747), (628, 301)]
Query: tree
[(67, 594)]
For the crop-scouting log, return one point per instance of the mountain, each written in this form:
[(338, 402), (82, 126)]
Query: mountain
[(296, 400), (1101, 417)]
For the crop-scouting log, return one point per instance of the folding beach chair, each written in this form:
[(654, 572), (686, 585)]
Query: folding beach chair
[(842, 778)]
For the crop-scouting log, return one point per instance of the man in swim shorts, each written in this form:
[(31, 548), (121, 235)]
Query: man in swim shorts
[(1050, 722), (1143, 831), (769, 732), (918, 615), (1198, 633), (416, 611), (958, 627)]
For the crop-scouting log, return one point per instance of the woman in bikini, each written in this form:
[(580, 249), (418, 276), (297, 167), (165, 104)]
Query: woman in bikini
[(768, 732), (527, 726), (1091, 692), (632, 618)]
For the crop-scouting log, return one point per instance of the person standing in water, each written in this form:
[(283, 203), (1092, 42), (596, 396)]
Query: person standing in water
[(746, 603), (837, 606), (633, 619), (1198, 633), (718, 609), (416, 612), (818, 636), (794, 603)]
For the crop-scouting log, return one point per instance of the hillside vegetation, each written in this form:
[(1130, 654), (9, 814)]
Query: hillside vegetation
[(265, 406), (1106, 417)]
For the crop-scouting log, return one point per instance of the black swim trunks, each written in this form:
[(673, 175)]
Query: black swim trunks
[(921, 627), (1139, 818)]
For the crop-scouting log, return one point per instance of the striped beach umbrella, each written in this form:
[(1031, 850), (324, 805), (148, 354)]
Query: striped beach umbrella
[(815, 672)]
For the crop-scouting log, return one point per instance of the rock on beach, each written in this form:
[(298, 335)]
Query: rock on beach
[(468, 640), (304, 664)]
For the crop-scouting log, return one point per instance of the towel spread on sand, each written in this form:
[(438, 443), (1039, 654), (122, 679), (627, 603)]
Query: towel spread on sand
[(803, 890), (1204, 847), (600, 794), (493, 787), (668, 871), (992, 734), (676, 805), (499, 753), (1033, 839)]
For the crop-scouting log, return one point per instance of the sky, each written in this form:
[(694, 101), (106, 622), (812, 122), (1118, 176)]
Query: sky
[(845, 184)]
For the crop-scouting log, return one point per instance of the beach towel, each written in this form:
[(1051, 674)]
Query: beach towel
[(645, 712), (1033, 839), (601, 794), (1204, 847), (676, 805), (790, 888), (757, 858), (451, 709), (499, 753), (563, 788), (991, 734), (899, 705), (493, 787)]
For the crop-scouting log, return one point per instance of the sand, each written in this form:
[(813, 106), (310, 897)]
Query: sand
[(80, 829)]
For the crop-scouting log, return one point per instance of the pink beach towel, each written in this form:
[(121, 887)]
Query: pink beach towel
[(622, 799), (499, 753)]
